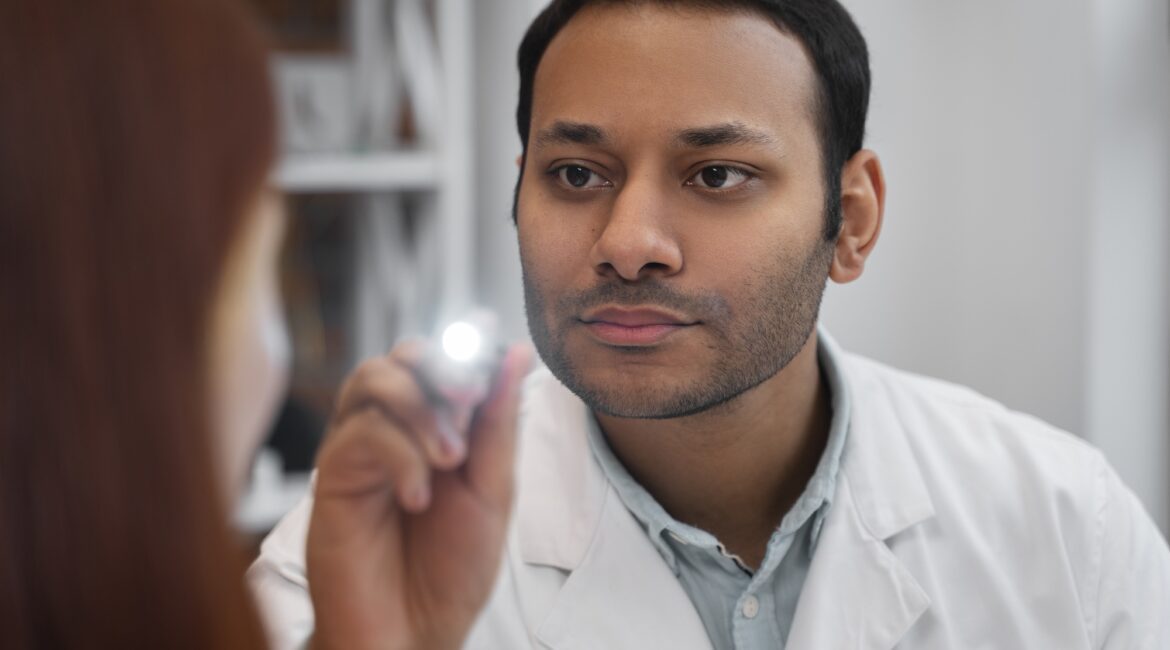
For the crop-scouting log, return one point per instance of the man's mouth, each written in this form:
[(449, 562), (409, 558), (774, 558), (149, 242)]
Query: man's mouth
[(633, 327)]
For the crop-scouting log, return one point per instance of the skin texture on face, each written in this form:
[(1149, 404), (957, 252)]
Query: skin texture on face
[(250, 354), (671, 210)]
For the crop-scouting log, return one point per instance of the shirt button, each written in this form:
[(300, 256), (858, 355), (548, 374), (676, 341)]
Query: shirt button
[(750, 607)]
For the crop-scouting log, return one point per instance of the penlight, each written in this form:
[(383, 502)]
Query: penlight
[(462, 341), (458, 365)]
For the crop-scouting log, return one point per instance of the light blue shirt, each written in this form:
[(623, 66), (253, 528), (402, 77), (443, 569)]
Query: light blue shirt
[(742, 610)]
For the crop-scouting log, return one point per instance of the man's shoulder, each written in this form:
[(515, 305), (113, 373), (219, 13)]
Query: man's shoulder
[(867, 375), (1014, 498), (922, 405), (962, 438)]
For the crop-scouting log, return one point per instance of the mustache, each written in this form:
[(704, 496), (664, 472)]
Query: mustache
[(699, 306)]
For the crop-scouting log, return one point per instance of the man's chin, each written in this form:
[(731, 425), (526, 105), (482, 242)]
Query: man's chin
[(642, 383), (655, 411), (642, 402)]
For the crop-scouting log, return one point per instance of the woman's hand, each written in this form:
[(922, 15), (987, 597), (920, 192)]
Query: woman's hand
[(409, 519)]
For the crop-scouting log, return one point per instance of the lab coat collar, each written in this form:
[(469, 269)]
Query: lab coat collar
[(889, 492), (857, 593)]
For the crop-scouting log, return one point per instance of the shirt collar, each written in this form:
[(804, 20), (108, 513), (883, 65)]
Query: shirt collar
[(813, 503)]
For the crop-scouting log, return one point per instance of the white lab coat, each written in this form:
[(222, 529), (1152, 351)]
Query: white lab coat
[(956, 524)]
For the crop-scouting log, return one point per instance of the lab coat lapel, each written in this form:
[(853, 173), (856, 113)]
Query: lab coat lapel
[(622, 596), (858, 594), (619, 593), (560, 488)]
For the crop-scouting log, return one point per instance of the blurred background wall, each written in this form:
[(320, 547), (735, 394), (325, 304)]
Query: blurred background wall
[(1027, 151)]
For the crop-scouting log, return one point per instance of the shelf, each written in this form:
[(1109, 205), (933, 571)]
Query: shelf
[(375, 172)]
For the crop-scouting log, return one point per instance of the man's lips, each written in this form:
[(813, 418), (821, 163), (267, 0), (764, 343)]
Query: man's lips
[(633, 327)]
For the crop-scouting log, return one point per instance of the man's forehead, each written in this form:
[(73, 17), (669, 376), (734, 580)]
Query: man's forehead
[(698, 75)]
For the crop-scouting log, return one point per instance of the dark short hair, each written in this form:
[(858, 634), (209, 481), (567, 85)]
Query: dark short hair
[(826, 29)]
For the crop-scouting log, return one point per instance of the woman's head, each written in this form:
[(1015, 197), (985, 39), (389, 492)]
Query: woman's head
[(249, 349), (136, 139)]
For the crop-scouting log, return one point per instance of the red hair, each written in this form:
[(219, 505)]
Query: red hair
[(134, 134)]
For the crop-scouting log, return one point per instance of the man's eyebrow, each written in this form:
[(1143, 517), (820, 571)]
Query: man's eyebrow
[(722, 134), (562, 132)]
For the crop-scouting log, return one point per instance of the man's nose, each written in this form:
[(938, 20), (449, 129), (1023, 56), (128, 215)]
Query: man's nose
[(638, 241)]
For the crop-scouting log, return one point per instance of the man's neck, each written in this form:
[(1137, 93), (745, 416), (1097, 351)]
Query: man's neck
[(734, 470)]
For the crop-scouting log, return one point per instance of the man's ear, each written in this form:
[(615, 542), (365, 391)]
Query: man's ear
[(863, 200)]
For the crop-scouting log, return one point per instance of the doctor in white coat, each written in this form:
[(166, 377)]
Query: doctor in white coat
[(698, 466), (959, 525)]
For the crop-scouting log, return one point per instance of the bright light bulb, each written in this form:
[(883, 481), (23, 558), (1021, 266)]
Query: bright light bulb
[(461, 341)]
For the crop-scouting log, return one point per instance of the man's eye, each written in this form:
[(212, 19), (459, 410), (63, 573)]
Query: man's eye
[(579, 177), (719, 177)]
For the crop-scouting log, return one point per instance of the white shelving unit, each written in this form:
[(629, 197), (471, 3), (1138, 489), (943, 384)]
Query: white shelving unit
[(399, 171), (398, 53)]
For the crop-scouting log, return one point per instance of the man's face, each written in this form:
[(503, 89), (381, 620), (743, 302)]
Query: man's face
[(671, 210)]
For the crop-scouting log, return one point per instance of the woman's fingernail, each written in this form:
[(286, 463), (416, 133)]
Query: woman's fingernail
[(419, 496), (450, 442)]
